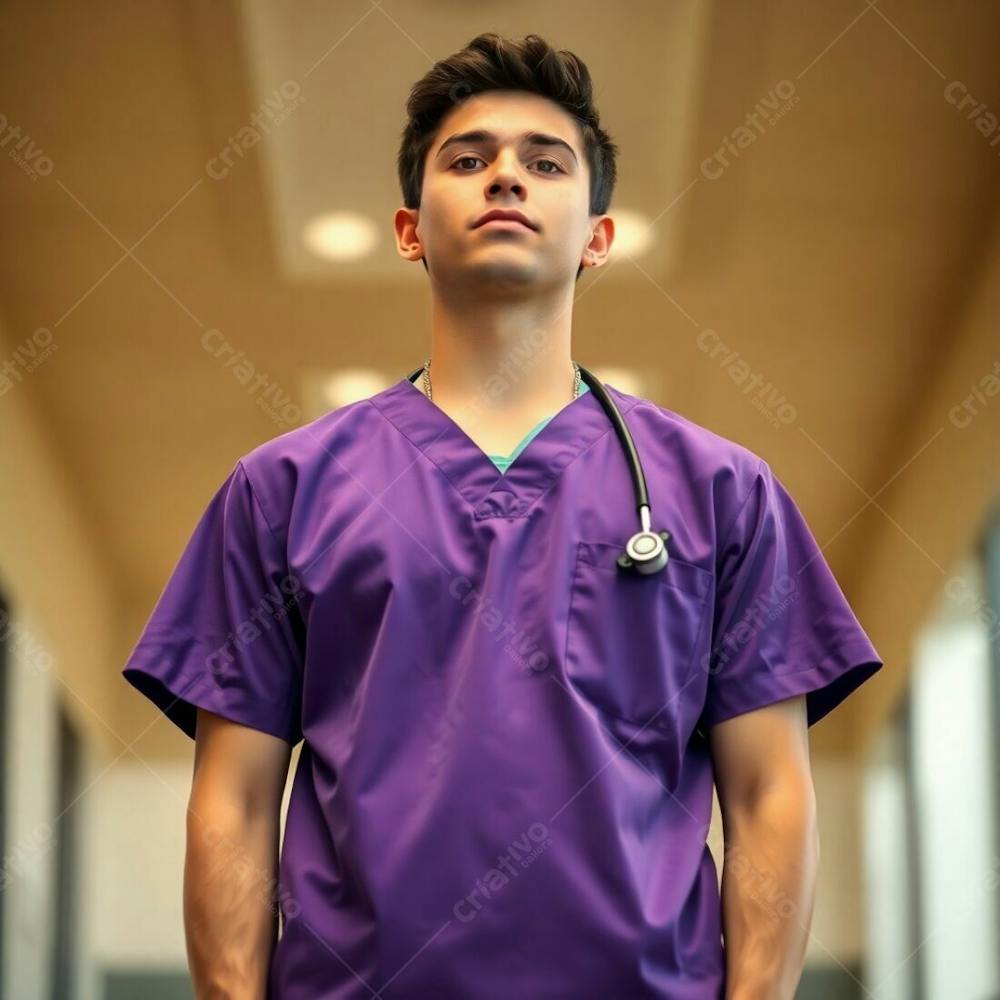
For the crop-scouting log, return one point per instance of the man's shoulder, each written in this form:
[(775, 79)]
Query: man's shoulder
[(702, 450), (279, 463)]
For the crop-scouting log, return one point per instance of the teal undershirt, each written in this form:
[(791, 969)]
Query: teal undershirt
[(502, 462)]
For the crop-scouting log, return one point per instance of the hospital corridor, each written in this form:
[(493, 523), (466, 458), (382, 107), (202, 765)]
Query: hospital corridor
[(500, 501)]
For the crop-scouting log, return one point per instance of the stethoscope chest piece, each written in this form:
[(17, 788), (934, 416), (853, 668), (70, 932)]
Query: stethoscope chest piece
[(645, 552)]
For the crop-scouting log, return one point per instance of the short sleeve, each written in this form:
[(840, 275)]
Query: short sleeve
[(225, 634), (782, 626)]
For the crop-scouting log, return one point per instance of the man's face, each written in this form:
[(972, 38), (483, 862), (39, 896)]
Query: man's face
[(506, 169)]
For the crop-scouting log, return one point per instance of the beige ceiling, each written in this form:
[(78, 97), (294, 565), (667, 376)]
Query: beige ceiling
[(843, 254)]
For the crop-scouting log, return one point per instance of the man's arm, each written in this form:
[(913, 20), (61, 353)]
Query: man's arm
[(768, 805), (233, 823)]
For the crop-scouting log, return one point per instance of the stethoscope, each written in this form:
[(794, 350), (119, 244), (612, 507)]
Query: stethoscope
[(646, 551)]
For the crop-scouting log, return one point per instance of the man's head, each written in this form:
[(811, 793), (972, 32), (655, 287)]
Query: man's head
[(538, 149)]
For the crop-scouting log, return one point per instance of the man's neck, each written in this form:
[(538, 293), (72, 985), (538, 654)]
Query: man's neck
[(502, 362)]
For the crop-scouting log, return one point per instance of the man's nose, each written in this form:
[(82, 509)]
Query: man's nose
[(507, 173)]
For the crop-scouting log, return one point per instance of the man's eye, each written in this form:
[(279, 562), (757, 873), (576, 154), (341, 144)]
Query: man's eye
[(552, 163)]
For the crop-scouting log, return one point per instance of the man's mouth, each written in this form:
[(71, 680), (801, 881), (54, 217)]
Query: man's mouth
[(507, 218)]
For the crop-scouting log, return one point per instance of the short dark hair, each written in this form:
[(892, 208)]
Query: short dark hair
[(490, 62)]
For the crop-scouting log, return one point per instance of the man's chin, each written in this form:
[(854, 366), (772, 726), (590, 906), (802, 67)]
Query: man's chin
[(497, 273), (505, 270)]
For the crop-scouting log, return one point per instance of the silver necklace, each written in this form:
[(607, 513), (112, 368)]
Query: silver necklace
[(427, 379)]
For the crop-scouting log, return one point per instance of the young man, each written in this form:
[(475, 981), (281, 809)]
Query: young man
[(508, 740)]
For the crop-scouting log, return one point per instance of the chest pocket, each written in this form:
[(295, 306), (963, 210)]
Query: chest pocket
[(632, 641)]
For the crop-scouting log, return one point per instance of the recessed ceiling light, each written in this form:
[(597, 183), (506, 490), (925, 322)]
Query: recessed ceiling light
[(625, 379), (348, 385), (340, 235), (633, 233)]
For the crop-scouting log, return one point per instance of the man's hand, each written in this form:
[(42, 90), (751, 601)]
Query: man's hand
[(768, 805), (233, 823)]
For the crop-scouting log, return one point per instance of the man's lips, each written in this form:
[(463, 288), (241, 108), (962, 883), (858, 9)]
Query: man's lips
[(500, 217), (503, 224)]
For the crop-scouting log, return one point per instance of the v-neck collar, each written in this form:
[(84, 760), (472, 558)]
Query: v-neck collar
[(487, 490), (523, 443)]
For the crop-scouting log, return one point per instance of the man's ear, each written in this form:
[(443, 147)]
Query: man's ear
[(602, 229), (408, 242)]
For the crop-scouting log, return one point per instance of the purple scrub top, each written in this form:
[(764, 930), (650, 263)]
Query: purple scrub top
[(503, 789)]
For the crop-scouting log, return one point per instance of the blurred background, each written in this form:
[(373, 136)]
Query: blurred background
[(197, 255)]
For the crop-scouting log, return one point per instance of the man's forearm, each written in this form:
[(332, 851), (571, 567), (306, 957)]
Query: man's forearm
[(230, 917), (768, 889)]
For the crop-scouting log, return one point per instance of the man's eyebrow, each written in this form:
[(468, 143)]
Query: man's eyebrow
[(531, 138)]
